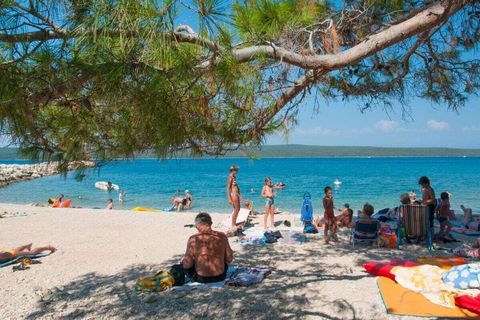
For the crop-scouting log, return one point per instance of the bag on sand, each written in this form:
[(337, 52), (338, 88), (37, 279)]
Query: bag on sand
[(178, 274), (388, 240), (309, 228), (157, 283)]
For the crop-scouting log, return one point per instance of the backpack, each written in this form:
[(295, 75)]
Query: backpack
[(309, 228), (306, 213), (178, 274)]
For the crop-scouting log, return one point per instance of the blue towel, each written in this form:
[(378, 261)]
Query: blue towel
[(35, 256)]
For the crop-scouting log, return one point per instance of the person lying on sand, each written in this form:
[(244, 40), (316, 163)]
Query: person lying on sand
[(27, 250), (208, 252)]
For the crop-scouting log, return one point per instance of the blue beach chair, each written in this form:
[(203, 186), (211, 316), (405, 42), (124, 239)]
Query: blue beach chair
[(365, 231)]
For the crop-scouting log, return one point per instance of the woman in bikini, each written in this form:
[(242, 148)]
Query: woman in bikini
[(27, 250), (233, 194), (268, 195)]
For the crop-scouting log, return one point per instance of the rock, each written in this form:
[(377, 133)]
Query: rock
[(11, 173)]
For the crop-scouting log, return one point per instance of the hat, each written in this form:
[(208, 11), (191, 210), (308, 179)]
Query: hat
[(186, 191), (346, 205)]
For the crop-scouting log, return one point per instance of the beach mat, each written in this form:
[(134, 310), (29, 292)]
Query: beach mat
[(465, 231), (191, 286), (34, 256), (442, 262), (402, 301)]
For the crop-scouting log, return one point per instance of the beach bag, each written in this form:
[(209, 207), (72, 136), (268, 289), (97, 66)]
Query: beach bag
[(157, 283), (388, 240), (272, 237), (309, 228), (178, 274), (306, 213)]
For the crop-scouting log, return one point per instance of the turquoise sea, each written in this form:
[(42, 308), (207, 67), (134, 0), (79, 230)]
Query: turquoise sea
[(151, 183)]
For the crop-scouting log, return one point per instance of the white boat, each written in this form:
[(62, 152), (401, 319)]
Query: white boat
[(103, 185), (337, 182)]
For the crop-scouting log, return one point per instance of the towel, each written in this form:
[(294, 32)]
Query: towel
[(428, 280), (35, 256)]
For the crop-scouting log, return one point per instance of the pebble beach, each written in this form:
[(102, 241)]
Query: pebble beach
[(101, 253)]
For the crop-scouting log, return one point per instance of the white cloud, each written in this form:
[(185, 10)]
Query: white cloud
[(387, 125), (437, 125)]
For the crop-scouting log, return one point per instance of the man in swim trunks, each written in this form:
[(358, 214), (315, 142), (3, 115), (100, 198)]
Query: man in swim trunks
[(428, 199), (208, 252)]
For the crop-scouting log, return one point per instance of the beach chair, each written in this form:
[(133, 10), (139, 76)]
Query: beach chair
[(415, 221), (365, 230)]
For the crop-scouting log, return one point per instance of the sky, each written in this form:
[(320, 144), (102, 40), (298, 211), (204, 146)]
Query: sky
[(428, 125)]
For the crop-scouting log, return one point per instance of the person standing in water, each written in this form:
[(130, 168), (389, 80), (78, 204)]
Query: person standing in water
[(233, 194), (268, 195)]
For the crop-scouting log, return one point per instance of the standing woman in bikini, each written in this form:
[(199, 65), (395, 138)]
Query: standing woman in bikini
[(233, 194)]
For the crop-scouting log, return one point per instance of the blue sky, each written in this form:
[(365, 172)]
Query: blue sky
[(429, 125)]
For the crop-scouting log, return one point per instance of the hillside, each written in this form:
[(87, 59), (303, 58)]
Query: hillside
[(306, 151)]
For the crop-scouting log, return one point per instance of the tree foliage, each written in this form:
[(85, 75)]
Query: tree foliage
[(109, 78)]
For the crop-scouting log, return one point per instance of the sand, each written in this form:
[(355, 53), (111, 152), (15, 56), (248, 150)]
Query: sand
[(101, 253)]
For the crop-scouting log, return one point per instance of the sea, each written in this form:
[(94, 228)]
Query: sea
[(151, 183)]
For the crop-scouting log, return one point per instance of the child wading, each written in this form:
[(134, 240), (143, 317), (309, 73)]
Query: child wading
[(329, 216), (268, 194)]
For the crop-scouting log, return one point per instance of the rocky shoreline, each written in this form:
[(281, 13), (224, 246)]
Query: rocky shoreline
[(12, 173)]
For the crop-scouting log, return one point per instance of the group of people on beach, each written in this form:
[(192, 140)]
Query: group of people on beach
[(212, 264)]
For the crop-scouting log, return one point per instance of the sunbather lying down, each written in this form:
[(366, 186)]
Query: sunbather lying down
[(27, 250)]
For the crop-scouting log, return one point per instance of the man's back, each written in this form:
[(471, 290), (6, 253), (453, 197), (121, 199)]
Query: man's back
[(209, 252)]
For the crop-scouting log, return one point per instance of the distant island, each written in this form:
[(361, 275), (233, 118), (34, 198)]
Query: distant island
[(308, 151)]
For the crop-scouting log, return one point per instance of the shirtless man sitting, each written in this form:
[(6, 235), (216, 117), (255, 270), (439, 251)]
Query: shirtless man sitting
[(208, 252)]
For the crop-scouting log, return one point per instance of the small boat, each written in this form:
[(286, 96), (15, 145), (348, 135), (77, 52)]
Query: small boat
[(337, 182), (104, 185)]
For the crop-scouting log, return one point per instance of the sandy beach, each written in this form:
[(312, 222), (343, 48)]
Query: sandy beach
[(101, 253)]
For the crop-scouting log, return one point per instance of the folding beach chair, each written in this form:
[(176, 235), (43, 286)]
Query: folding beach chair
[(415, 220), (365, 231)]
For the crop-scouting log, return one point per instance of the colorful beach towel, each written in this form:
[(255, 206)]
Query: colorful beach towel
[(463, 277), (401, 301), (445, 263), (467, 251), (428, 281), (35, 256)]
